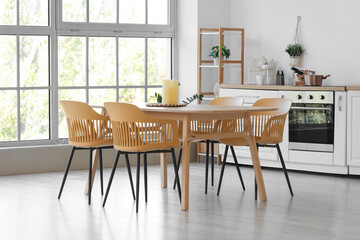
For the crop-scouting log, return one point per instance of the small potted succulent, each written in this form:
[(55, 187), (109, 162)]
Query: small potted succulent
[(215, 53), (294, 51)]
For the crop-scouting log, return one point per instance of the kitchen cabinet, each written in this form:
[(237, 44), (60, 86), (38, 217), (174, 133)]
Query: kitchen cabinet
[(340, 111), (346, 116), (284, 146), (353, 128)]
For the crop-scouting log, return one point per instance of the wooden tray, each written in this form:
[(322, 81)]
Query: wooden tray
[(164, 105)]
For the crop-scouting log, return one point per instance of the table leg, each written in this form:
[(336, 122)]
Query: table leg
[(163, 166), (94, 167), (185, 164), (255, 159)]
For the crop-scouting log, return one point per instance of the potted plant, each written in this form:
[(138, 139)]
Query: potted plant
[(294, 51), (215, 53)]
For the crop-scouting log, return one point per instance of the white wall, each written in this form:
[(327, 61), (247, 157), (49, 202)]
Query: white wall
[(329, 32), (187, 38), (208, 13), (209, 17), (192, 15)]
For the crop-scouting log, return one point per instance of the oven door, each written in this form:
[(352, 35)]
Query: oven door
[(311, 127)]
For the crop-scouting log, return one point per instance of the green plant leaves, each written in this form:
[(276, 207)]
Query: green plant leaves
[(193, 98), (215, 52), (158, 98), (294, 50)]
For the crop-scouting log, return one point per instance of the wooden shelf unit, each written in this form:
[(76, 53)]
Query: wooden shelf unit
[(203, 64), (208, 64)]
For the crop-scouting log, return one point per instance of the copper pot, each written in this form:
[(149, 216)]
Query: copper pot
[(314, 80)]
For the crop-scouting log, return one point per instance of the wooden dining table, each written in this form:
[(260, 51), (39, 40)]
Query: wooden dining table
[(196, 112)]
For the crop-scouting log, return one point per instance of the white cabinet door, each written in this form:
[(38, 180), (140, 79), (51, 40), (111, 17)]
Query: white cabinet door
[(340, 110), (353, 128), (284, 146), (250, 96)]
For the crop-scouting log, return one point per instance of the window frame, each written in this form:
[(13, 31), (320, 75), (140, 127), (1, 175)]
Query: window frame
[(49, 31), (127, 28), (58, 28)]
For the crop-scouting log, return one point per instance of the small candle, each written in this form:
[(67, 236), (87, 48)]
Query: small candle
[(170, 92)]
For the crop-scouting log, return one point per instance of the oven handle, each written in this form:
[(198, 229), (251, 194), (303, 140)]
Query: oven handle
[(340, 103), (312, 108)]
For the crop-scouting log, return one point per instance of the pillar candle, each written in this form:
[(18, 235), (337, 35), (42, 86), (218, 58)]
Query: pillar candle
[(170, 90)]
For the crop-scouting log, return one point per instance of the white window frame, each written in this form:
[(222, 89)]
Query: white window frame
[(58, 28), (121, 27), (49, 31)]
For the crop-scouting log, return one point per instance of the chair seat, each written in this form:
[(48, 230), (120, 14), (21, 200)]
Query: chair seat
[(146, 148), (243, 142), (93, 144)]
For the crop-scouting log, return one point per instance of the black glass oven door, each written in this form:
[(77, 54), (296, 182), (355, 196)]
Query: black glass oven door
[(311, 123)]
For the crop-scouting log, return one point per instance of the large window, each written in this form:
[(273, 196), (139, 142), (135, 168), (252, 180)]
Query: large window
[(88, 50)]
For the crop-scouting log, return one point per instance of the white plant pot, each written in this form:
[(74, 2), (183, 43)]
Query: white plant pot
[(216, 61), (295, 61)]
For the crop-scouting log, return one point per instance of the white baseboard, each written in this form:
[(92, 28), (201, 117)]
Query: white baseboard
[(42, 159), (296, 166)]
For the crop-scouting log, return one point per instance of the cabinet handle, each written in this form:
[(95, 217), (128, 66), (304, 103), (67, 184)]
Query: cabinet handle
[(312, 108), (339, 103)]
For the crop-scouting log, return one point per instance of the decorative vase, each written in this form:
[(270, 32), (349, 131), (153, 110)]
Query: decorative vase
[(295, 61)]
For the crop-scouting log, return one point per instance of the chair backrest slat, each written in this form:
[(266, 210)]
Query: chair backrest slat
[(133, 130), (86, 127)]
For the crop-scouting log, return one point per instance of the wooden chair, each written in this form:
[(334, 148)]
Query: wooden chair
[(211, 126), (268, 130), (135, 132), (87, 130)]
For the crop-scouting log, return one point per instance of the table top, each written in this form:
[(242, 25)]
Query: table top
[(199, 108)]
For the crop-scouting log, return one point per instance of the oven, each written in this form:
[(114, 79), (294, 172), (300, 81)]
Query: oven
[(311, 121)]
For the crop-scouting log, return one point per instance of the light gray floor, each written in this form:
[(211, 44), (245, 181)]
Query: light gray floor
[(324, 207)]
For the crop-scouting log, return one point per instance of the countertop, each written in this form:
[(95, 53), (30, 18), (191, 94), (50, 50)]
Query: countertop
[(352, 87), (291, 88)]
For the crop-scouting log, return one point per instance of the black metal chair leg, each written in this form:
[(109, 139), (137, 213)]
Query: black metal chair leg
[(237, 167), (101, 171), (90, 176), (178, 166), (130, 175), (212, 163), (284, 169), (256, 190), (207, 166), (145, 176), (222, 168), (66, 171), (176, 170), (111, 177), (137, 181)]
